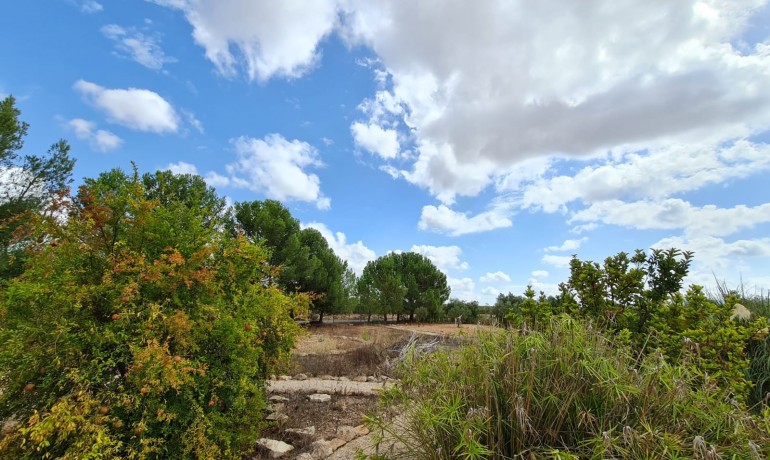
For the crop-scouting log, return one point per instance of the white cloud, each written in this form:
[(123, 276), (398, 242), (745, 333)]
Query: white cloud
[(182, 168), (490, 292), (568, 245), (445, 220), (264, 38), (276, 167), (666, 170), (733, 261), (445, 258), (490, 85), (91, 6), (141, 48), (496, 277), (675, 213), (372, 137), (557, 261), (356, 254), (139, 109), (98, 139), (462, 288), (216, 180), (538, 274)]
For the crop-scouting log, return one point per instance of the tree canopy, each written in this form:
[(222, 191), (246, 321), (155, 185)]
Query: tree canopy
[(138, 328), (28, 184), (402, 283), (305, 261)]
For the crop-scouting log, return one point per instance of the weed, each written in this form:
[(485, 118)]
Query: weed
[(565, 391)]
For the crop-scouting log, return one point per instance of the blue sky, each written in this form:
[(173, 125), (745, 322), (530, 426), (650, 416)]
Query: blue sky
[(496, 138)]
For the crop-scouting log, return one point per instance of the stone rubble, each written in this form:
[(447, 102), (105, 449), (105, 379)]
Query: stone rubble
[(276, 449)]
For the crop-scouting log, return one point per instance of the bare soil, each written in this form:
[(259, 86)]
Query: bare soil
[(352, 351)]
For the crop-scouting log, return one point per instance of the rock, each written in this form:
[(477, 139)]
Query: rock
[(340, 405), (304, 456), (300, 377), (360, 378), (277, 417), (361, 430), (346, 433), (343, 379), (277, 449), (321, 449), (371, 378), (319, 397), (336, 443), (278, 399), (308, 432), (327, 377), (284, 377)]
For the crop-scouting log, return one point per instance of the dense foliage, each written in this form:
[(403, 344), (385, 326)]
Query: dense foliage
[(404, 283), (28, 184), (307, 263), (138, 328)]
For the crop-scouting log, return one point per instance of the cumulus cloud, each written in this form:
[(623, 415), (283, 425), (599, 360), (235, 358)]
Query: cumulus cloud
[(445, 258), (276, 167), (558, 80), (99, 139), (442, 219), (356, 254), (138, 109), (539, 274), (496, 277), (733, 261), (182, 168), (137, 46), (377, 140), (568, 245), (657, 174), (462, 288), (557, 261), (264, 38), (675, 213)]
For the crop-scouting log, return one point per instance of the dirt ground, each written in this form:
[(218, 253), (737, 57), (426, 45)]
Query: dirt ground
[(351, 351)]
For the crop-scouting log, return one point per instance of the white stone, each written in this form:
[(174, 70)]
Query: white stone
[(276, 448), (321, 449), (278, 399), (336, 443), (308, 432), (319, 397), (360, 378), (300, 377), (346, 433)]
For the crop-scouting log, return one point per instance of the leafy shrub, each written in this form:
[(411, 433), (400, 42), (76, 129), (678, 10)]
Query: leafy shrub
[(138, 329), (565, 391)]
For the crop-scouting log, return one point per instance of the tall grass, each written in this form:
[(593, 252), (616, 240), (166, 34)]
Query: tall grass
[(758, 372), (564, 392)]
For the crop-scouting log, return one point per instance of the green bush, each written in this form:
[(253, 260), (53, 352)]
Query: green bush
[(138, 329), (565, 391)]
